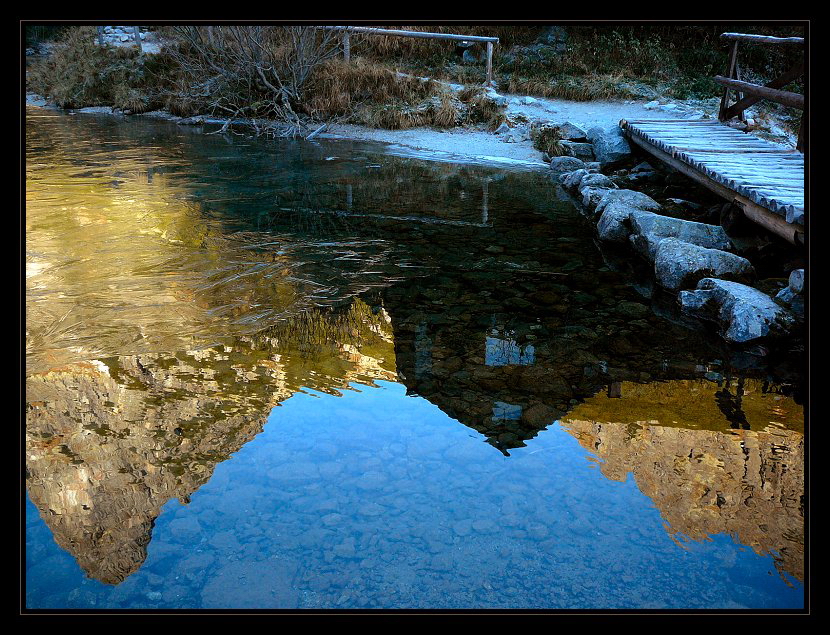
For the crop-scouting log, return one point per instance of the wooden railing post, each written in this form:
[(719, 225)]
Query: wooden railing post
[(100, 36), (489, 63), (347, 53), (731, 65)]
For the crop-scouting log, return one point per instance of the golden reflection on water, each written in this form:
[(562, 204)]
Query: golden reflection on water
[(706, 474), (133, 268), (110, 441)]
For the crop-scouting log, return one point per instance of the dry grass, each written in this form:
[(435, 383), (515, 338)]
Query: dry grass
[(480, 108), (80, 73), (369, 93), (337, 87)]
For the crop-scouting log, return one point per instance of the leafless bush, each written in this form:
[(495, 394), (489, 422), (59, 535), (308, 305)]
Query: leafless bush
[(251, 71)]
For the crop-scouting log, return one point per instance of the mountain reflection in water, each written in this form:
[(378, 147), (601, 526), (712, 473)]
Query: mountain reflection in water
[(180, 287)]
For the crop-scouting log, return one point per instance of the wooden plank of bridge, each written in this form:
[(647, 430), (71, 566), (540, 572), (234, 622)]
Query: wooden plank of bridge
[(765, 179)]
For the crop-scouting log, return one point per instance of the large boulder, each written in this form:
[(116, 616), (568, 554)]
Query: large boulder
[(679, 265), (610, 146), (614, 223), (627, 198), (743, 313), (584, 151), (560, 165), (648, 231), (571, 132)]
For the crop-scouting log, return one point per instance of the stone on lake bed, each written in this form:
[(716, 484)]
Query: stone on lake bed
[(796, 280), (597, 181), (251, 585), (678, 264)]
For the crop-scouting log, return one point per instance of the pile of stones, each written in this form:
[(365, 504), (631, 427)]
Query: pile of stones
[(697, 261)]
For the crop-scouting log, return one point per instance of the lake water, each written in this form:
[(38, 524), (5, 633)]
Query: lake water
[(275, 374)]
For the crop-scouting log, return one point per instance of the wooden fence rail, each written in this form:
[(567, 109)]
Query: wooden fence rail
[(347, 30)]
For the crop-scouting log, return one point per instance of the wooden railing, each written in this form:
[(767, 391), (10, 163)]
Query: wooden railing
[(748, 94), (490, 41)]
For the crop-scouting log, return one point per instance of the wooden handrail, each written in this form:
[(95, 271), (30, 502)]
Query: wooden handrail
[(794, 100), (755, 92), (779, 82), (348, 30), (422, 34), (762, 39)]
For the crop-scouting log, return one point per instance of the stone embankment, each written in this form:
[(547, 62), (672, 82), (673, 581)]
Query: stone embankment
[(697, 261)]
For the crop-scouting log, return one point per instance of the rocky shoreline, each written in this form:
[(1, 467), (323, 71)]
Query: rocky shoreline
[(696, 261)]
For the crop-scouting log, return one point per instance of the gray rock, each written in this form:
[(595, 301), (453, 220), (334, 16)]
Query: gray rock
[(648, 231), (593, 187), (679, 265), (584, 151), (593, 166), (570, 180), (571, 132), (743, 313), (796, 281), (469, 57), (636, 178), (553, 36), (682, 202), (609, 145), (503, 128), (596, 180), (615, 222), (791, 296), (786, 296), (560, 165), (591, 196), (642, 167), (629, 198)]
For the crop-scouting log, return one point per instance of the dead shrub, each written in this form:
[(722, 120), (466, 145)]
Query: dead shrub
[(547, 139)]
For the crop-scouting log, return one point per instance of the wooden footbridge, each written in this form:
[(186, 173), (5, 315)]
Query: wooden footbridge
[(763, 179)]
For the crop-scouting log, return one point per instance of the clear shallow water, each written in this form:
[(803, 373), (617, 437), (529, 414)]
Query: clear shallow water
[(268, 375)]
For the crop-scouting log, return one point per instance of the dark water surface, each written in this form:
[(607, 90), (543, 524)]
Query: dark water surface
[(282, 374)]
